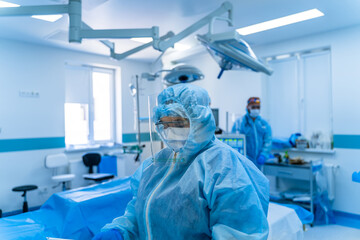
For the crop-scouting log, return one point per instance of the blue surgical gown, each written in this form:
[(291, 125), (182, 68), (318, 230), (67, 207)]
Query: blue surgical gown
[(258, 136), (205, 191)]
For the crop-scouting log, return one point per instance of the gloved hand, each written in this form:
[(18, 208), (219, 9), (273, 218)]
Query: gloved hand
[(112, 234), (261, 160)]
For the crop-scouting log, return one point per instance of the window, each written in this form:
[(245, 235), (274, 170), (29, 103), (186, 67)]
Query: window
[(299, 94), (89, 107)]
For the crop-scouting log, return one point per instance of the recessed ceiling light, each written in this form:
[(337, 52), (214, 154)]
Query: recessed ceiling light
[(284, 56), (7, 4), (279, 22), (142, 40), (181, 47), (49, 18)]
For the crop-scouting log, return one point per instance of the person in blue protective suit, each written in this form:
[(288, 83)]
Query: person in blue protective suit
[(257, 132), (197, 187)]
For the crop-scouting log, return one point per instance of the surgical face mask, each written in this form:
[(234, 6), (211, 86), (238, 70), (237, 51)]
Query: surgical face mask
[(254, 113), (175, 138)]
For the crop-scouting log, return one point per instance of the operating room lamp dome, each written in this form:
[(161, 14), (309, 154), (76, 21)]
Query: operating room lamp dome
[(183, 74), (231, 52)]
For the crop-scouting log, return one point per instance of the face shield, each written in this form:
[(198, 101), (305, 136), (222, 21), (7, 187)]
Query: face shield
[(171, 124)]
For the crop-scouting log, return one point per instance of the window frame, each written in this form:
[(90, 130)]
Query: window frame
[(299, 58), (92, 144)]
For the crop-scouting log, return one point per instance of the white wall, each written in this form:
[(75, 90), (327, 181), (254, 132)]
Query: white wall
[(345, 50), (31, 67)]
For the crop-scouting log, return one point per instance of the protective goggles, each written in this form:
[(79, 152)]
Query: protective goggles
[(177, 124)]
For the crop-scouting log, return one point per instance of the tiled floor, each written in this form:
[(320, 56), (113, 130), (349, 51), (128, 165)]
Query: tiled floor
[(332, 232)]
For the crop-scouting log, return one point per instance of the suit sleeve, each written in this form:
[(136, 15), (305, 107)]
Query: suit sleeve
[(267, 142), (127, 224), (236, 210)]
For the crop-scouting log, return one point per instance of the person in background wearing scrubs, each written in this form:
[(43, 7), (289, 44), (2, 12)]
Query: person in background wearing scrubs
[(195, 188), (257, 132)]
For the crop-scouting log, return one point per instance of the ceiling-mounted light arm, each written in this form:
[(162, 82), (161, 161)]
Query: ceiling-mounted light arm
[(33, 10), (226, 7), (137, 49), (152, 77), (211, 24), (76, 32), (121, 33), (75, 21), (107, 43)]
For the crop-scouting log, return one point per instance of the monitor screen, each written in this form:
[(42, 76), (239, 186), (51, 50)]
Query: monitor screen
[(236, 141)]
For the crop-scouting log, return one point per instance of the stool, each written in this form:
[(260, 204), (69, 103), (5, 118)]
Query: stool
[(24, 189)]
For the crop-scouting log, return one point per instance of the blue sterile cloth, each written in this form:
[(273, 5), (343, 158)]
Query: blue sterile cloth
[(304, 215), (20, 228), (75, 214)]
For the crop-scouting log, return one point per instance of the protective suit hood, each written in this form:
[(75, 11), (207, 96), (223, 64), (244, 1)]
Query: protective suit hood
[(191, 102)]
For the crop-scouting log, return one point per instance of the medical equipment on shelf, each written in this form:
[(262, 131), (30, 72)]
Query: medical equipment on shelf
[(231, 52), (236, 141)]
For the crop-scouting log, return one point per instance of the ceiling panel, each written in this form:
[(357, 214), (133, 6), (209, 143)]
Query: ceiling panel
[(176, 16)]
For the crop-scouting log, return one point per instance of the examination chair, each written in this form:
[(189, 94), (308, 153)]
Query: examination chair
[(93, 159), (55, 162)]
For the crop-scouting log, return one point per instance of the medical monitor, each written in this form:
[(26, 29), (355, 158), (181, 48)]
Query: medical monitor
[(236, 141)]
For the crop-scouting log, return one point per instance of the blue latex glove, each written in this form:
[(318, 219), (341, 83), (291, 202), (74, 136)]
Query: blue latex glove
[(109, 235), (261, 160)]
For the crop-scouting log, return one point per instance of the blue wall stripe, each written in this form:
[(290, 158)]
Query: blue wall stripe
[(347, 141), (144, 137), (347, 219), (27, 144)]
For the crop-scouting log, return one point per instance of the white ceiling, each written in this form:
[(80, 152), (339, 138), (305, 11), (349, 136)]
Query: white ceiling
[(176, 15)]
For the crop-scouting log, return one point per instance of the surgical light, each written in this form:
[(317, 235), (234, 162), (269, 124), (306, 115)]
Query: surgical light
[(231, 52), (49, 18), (279, 22), (179, 74), (183, 74)]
